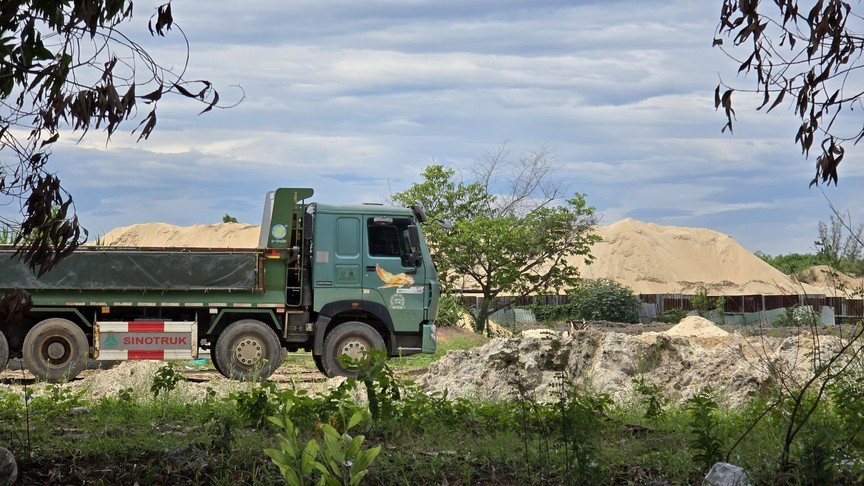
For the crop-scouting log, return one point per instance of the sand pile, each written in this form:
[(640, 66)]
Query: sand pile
[(697, 327), (159, 235), (648, 258), (653, 259), (836, 283)]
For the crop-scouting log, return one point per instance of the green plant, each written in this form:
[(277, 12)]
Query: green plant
[(604, 299), (582, 425), (449, 309), (796, 316), (704, 427), (58, 400), (672, 316), (651, 397), (342, 460), (383, 388), (255, 406), (165, 380)]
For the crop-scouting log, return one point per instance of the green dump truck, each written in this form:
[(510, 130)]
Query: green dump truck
[(331, 279)]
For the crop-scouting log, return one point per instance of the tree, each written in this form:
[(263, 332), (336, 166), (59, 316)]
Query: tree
[(512, 243), (65, 65), (227, 218), (810, 56)]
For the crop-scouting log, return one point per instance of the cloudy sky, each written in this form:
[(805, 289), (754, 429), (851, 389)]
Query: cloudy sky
[(354, 99)]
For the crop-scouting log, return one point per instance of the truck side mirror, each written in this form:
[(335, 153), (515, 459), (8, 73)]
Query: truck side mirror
[(414, 240), (414, 236)]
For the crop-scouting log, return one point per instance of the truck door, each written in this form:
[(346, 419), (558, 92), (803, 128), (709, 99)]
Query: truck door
[(394, 275)]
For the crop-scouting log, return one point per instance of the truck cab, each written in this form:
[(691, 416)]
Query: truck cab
[(370, 282)]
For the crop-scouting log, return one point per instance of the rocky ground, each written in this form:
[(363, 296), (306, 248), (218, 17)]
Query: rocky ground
[(608, 357), (598, 356)]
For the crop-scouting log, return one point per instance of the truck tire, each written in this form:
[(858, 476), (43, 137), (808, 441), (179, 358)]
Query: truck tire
[(350, 338), (247, 350), (319, 363), (4, 351), (55, 350)]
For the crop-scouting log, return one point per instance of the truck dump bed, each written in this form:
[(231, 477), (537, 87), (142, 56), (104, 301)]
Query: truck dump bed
[(115, 268)]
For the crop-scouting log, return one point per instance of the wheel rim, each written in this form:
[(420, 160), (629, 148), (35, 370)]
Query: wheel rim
[(354, 348), (248, 351), (55, 351)]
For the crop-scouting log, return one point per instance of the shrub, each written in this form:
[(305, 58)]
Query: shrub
[(449, 310), (604, 299), (797, 316), (672, 316)]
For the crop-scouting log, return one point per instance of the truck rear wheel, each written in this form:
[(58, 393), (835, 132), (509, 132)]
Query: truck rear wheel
[(4, 351), (351, 339), (55, 349), (247, 350)]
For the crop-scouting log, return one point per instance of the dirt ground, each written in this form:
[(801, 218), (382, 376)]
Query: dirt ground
[(604, 355)]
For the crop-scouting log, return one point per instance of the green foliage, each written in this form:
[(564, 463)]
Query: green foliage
[(449, 310), (228, 218), (582, 425), (256, 405), (593, 299), (672, 316), (383, 388), (165, 380), (796, 316), (704, 429), (703, 304), (651, 397), (604, 299), (341, 461), (60, 74), (792, 262), (57, 401), (515, 245)]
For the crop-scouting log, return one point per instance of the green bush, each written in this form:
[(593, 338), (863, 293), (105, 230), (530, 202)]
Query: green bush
[(600, 299), (672, 316), (604, 299), (449, 310)]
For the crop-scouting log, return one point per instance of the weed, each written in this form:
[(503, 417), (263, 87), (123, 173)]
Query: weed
[(341, 461), (256, 405), (651, 397), (57, 401), (704, 427), (672, 316), (165, 380)]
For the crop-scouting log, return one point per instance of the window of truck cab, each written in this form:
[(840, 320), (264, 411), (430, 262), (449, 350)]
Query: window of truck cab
[(388, 238)]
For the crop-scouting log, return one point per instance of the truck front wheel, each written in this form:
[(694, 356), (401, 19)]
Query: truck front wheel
[(55, 349), (351, 339), (247, 350)]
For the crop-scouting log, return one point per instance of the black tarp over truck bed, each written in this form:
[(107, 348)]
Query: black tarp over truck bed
[(116, 268)]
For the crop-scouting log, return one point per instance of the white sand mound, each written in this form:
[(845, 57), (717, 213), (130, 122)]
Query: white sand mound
[(696, 326), (653, 259), (648, 258), (159, 235), (834, 282)]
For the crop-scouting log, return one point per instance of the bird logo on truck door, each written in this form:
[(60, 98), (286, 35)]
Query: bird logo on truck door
[(391, 280)]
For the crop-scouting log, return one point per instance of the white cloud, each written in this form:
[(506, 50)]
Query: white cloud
[(355, 98)]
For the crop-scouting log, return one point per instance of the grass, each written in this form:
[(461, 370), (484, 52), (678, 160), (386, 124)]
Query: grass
[(70, 439), (449, 339)]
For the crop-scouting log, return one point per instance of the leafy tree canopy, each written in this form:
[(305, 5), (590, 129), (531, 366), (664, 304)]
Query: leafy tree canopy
[(66, 66), (511, 242), (807, 53)]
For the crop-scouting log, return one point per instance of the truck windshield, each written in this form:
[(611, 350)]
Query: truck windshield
[(391, 240)]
